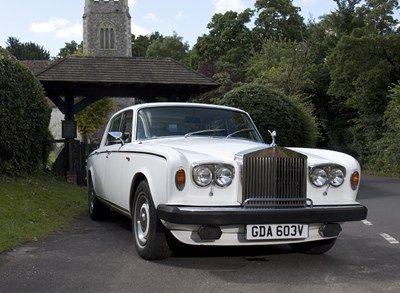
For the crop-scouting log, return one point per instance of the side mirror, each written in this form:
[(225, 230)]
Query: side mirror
[(115, 137)]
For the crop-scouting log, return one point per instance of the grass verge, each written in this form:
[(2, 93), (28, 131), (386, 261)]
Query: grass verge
[(32, 207)]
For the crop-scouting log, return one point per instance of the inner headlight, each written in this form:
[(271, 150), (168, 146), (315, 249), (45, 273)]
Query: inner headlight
[(223, 176), (327, 174), (213, 173), (202, 175), (318, 177), (336, 177)]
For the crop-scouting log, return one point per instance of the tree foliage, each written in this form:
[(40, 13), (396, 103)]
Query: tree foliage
[(281, 65), (24, 119), (386, 151), (278, 20), (169, 47), (93, 117), (70, 49), (26, 51), (228, 46), (158, 46), (141, 43), (362, 71)]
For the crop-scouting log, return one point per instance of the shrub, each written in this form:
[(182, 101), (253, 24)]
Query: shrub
[(270, 110), (24, 118)]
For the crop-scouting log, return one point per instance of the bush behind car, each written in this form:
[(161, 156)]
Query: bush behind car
[(24, 118), (270, 110)]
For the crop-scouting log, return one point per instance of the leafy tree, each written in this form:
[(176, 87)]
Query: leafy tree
[(345, 19), (281, 65), (26, 51), (172, 47), (378, 16), (93, 117), (71, 48), (24, 119), (228, 46), (385, 156), (141, 43), (278, 20), (271, 110), (362, 70), (372, 17)]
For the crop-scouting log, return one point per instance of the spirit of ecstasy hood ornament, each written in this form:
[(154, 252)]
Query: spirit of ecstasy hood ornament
[(273, 135)]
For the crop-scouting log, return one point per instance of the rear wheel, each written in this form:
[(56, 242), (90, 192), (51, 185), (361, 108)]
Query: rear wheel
[(97, 210), (314, 247), (148, 231)]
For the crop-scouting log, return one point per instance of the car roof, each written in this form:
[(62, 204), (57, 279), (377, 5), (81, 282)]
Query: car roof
[(177, 104)]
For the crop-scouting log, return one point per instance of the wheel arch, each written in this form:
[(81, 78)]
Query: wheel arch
[(139, 177), (89, 179)]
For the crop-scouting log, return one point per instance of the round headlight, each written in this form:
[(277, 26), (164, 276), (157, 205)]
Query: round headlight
[(223, 176), (318, 177), (336, 177), (202, 175)]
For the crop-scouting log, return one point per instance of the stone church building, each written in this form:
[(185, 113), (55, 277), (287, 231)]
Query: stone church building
[(107, 28)]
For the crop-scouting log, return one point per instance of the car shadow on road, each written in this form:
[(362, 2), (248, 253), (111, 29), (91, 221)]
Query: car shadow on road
[(180, 250)]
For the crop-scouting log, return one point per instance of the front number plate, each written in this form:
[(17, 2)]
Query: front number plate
[(283, 231)]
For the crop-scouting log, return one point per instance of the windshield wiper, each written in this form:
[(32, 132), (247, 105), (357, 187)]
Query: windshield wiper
[(239, 131), (204, 131)]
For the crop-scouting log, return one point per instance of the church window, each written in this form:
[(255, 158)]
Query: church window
[(107, 37)]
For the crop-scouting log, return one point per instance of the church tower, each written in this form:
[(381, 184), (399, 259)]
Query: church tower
[(107, 28)]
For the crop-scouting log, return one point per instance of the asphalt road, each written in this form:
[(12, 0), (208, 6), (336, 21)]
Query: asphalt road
[(100, 257)]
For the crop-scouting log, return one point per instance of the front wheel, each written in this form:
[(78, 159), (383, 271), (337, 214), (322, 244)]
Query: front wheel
[(97, 210), (314, 247), (148, 231)]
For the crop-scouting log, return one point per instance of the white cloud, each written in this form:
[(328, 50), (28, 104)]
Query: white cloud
[(222, 6), (179, 15), (59, 27), (138, 30), (49, 26), (71, 32), (150, 16)]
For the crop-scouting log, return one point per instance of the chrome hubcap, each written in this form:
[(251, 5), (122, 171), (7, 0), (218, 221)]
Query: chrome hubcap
[(142, 221)]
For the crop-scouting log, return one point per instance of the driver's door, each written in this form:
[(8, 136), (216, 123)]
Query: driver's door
[(115, 156)]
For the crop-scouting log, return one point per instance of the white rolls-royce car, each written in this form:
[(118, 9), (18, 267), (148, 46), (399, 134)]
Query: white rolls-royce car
[(201, 174)]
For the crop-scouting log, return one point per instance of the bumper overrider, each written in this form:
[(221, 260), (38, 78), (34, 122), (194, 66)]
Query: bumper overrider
[(241, 215)]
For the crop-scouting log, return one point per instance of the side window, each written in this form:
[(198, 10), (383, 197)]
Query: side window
[(114, 127)]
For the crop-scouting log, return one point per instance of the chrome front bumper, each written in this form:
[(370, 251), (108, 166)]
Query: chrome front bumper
[(241, 215)]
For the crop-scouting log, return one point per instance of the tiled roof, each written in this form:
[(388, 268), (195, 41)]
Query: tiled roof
[(36, 66), (123, 70)]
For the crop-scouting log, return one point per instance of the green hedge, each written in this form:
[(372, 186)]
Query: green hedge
[(270, 110), (24, 118)]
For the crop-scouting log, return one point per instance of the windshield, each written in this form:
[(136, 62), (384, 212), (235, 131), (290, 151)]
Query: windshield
[(195, 121)]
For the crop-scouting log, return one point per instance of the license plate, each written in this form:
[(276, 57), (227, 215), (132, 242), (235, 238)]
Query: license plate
[(276, 231)]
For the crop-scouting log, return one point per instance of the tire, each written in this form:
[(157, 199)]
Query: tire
[(314, 247), (148, 231), (97, 210)]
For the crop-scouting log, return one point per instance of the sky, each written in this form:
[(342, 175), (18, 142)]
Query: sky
[(52, 23)]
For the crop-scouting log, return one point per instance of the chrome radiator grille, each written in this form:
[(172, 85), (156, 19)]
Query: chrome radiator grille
[(274, 178)]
